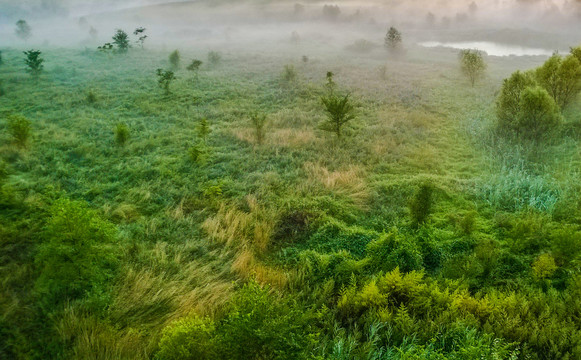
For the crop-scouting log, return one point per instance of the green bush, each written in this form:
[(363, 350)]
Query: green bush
[(339, 111), (538, 114), (472, 64), (561, 77), (75, 256), (509, 100), (20, 129), (393, 251), (421, 204), (121, 40), (121, 134), (214, 58), (175, 60), (164, 79), (192, 338), (289, 74), (34, 62)]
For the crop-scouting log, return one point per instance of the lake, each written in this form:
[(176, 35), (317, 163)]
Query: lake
[(491, 48)]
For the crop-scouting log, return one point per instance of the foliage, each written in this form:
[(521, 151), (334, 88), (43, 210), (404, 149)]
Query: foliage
[(339, 110), (214, 58), (34, 62), (544, 266), (194, 65), (175, 59), (421, 203), (122, 134), (289, 74), (393, 39), (23, 30), (75, 256), (258, 122), (189, 339), (561, 77), (140, 33), (20, 129), (331, 12), (472, 64), (203, 129), (164, 79), (538, 114), (509, 100), (121, 40)]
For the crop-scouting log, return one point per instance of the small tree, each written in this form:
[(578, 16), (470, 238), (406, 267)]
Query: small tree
[(194, 65), (121, 134), (106, 48), (93, 33), (1, 59), (393, 39), (34, 62), (121, 40), (339, 112), (421, 204), (258, 121), (331, 12), (203, 129), (472, 64), (175, 60), (164, 79), (330, 85), (561, 77), (508, 101), (140, 33), (23, 30), (289, 74), (20, 129), (538, 113), (214, 57)]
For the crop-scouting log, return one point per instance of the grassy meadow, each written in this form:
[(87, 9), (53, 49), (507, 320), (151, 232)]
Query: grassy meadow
[(422, 233)]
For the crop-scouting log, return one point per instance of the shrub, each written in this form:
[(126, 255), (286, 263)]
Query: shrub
[(509, 100), (34, 62), (214, 57), (23, 30), (258, 122), (538, 114), (140, 32), (74, 256), (91, 97), (544, 266), (421, 203), (203, 129), (197, 153), (191, 338), (289, 74), (472, 64), (121, 40), (339, 112), (393, 39), (392, 251), (164, 79), (194, 65), (121, 134), (561, 77), (20, 129), (331, 12), (175, 60)]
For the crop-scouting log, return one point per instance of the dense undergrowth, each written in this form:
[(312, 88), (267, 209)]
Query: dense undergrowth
[(421, 233)]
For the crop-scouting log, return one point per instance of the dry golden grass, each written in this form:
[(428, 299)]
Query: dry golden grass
[(348, 182), (284, 137)]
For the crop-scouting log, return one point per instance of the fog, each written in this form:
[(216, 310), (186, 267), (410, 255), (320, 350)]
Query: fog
[(542, 24)]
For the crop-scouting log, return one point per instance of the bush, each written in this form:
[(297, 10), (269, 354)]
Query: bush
[(20, 129), (509, 100), (194, 65), (34, 62), (74, 257), (339, 112), (175, 60), (421, 204), (561, 77), (164, 79), (121, 134), (214, 57), (393, 39), (472, 64), (258, 122), (538, 114), (191, 338), (91, 97), (289, 74), (121, 40)]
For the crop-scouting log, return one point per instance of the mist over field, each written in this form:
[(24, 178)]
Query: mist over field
[(257, 180)]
